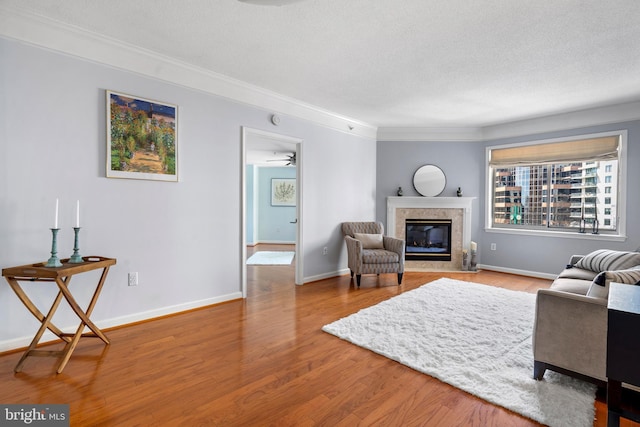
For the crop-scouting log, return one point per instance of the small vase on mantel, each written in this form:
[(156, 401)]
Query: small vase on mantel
[(459, 192), (399, 192)]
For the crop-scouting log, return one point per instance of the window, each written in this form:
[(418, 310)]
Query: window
[(557, 185)]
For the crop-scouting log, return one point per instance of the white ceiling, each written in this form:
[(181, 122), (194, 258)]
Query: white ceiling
[(268, 151), (393, 63)]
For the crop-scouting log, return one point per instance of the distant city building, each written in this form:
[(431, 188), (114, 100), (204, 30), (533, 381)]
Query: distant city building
[(557, 195)]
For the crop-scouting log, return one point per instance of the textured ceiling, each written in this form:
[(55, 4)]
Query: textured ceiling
[(393, 63)]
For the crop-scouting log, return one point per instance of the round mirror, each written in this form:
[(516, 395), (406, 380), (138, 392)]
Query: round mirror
[(429, 180)]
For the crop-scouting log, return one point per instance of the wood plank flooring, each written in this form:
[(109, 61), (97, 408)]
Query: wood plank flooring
[(263, 361)]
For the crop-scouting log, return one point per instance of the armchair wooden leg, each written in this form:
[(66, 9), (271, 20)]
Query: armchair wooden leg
[(399, 278), (358, 277), (538, 370), (351, 274)]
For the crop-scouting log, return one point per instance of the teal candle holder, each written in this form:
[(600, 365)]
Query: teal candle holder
[(76, 258), (54, 261)]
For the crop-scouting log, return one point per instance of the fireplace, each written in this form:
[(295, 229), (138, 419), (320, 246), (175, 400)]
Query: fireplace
[(428, 239), (455, 210)]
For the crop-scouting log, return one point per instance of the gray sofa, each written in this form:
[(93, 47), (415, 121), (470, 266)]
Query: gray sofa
[(570, 328)]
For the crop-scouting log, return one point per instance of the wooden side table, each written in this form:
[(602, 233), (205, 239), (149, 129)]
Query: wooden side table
[(623, 348), (62, 277)]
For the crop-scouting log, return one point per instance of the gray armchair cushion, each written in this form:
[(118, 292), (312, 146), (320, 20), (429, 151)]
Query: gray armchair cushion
[(370, 241), (379, 256)]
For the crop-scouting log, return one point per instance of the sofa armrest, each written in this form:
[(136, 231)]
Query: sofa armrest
[(570, 332)]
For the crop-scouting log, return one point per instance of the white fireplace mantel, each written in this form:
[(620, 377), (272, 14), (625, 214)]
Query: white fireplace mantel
[(463, 203)]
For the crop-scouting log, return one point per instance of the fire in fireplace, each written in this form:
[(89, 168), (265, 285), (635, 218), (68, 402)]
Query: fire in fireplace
[(428, 239)]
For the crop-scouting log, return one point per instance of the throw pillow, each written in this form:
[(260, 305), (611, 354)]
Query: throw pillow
[(600, 286), (369, 241), (608, 260)]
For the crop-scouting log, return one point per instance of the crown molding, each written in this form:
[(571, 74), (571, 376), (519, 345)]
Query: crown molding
[(44, 32), (50, 34), (434, 134), (610, 114)]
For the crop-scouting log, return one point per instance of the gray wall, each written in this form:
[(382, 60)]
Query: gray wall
[(460, 162), (182, 238), (550, 254), (464, 165)]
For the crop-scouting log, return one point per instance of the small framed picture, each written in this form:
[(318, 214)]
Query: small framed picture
[(142, 138), (283, 192)]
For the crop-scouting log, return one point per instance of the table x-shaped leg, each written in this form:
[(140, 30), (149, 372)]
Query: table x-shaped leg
[(46, 324), (84, 316), (24, 298), (70, 339)]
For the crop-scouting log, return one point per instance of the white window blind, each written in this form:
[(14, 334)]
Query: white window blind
[(605, 148)]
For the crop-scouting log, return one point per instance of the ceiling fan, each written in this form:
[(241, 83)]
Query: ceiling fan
[(291, 160)]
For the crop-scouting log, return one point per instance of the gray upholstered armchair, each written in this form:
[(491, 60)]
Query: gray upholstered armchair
[(371, 252)]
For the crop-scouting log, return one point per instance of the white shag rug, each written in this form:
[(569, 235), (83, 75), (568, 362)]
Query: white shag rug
[(473, 337), (271, 258)]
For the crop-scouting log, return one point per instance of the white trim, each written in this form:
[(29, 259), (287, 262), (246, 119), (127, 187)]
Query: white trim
[(621, 232), (57, 36), (327, 275), (562, 234), (272, 242), (21, 342), (518, 271), (611, 114), (299, 259), (37, 30), (430, 134)]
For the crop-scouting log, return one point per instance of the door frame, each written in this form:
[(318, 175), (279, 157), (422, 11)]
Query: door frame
[(247, 133)]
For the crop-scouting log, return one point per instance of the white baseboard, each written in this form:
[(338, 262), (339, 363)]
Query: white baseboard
[(518, 272), (272, 242), (23, 342), (326, 275)]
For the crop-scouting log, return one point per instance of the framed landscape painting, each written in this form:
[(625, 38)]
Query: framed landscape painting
[(142, 138), (283, 192)]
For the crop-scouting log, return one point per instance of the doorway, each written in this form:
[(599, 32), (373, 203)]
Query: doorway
[(281, 147)]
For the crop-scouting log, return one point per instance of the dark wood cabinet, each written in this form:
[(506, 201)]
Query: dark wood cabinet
[(623, 350)]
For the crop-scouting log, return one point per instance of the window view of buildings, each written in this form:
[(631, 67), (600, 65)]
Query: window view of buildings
[(579, 196)]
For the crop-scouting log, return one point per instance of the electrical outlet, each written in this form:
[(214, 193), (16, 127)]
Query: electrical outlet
[(133, 279), (493, 246), (325, 250)]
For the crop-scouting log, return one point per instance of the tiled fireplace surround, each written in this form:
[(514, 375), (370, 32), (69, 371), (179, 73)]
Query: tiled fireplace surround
[(458, 209)]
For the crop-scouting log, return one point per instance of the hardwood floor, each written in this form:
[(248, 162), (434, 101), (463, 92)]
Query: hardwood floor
[(263, 361)]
